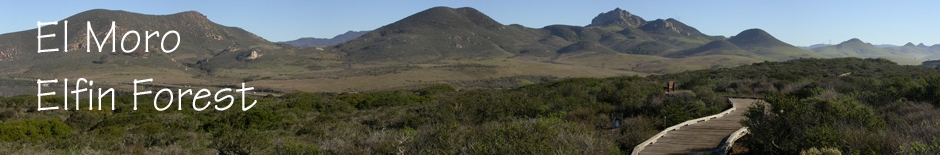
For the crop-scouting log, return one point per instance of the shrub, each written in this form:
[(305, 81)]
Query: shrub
[(83, 120), (823, 151), (33, 129), (229, 141), (254, 119), (7, 114)]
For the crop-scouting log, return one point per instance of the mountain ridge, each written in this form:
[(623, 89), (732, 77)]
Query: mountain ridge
[(762, 43), (617, 17), (321, 42), (439, 43)]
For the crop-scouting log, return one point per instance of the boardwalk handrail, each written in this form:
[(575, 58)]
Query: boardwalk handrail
[(639, 148), (729, 142)]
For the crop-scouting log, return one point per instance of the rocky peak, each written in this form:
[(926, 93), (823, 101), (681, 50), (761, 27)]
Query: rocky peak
[(195, 18), (909, 44), (670, 26), (617, 17), (193, 15)]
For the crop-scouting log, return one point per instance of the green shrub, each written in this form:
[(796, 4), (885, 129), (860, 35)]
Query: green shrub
[(299, 148), (33, 129), (229, 141), (7, 114), (83, 120), (823, 151), (252, 119), (794, 125)]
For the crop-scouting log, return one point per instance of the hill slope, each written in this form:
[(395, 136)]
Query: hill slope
[(439, 33), (200, 39), (762, 43), (320, 42), (617, 17), (852, 47), (856, 48), (718, 47)]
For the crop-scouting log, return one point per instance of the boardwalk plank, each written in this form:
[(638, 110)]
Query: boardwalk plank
[(702, 137)]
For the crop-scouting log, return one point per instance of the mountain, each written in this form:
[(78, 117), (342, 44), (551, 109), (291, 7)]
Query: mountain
[(200, 39), (440, 33), (762, 43), (320, 42), (852, 48), (856, 48), (911, 51), (437, 45), (670, 27), (451, 33), (617, 17)]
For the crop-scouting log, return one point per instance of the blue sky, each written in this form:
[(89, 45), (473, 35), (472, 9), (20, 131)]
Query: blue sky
[(799, 23)]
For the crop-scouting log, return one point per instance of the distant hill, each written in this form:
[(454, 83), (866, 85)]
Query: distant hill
[(436, 45), (810, 47), (852, 48), (856, 48), (762, 43), (444, 33), (321, 42), (200, 39), (439, 33), (915, 53)]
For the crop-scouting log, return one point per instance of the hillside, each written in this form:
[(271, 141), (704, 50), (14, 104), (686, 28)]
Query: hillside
[(619, 18), (870, 110), (448, 33), (852, 47), (908, 54), (439, 33), (718, 47), (200, 39), (321, 42), (764, 44), (437, 45)]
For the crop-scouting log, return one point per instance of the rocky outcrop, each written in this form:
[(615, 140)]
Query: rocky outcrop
[(670, 26), (254, 54), (617, 17)]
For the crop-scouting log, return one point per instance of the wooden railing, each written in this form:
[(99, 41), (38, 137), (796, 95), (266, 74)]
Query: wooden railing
[(729, 142), (641, 146)]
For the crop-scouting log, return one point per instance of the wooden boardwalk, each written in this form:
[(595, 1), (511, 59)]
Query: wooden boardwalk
[(702, 137)]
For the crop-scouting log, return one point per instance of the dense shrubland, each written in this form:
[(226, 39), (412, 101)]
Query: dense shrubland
[(858, 106), (879, 108)]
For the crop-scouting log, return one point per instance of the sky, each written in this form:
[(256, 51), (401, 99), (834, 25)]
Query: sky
[(797, 22)]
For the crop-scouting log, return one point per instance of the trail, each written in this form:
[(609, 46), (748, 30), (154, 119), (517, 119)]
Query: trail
[(700, 137)]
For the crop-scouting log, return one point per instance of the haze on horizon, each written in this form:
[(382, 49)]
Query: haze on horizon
[(800, 23)]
